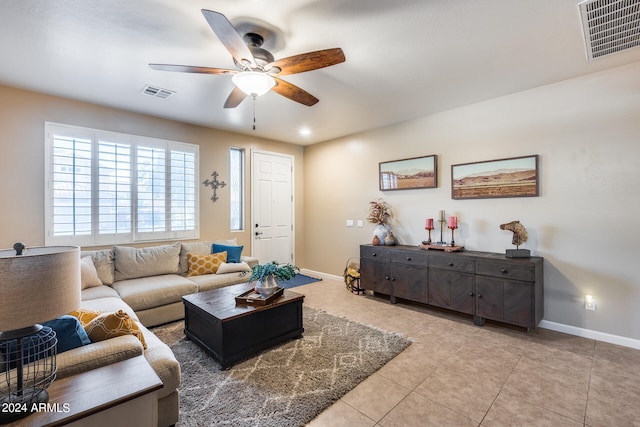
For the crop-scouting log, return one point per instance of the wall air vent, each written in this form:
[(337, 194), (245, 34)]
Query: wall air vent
[(610, 26), (156, 91)]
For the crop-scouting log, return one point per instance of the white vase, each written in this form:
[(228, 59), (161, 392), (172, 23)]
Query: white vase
[(381, 230), (267, 287)]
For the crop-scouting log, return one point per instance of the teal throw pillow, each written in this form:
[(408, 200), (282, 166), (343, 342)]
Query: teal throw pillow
[(233, 252), (69, 332)]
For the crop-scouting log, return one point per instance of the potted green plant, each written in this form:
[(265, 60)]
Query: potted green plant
[(268, 275)]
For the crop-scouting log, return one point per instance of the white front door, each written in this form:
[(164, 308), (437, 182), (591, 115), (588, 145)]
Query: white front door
[(272, 207)]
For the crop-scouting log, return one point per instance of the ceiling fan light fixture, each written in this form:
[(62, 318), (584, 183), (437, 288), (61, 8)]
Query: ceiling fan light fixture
[(253, 83)]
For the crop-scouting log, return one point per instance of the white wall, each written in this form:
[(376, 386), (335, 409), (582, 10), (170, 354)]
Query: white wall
[(587, 134)]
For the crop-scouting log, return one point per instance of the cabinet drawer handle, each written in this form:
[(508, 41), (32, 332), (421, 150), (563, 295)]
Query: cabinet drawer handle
[(504, 271), (470, 294), (387, 277), (479, 296), (408, 258), (450, 264), (373, 254)]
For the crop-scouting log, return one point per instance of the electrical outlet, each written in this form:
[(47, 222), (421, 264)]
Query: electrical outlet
[(589, 303), (360, 223), (349, 223)]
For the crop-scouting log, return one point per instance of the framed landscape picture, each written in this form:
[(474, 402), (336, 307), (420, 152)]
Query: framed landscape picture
[(417, 172), (514, 177)]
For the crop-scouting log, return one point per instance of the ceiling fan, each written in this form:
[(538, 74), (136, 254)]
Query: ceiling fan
[(257, 71)]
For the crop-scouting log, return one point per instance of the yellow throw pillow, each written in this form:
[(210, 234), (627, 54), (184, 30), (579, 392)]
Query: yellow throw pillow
[(84, 316), (205, 264), (111, 325)]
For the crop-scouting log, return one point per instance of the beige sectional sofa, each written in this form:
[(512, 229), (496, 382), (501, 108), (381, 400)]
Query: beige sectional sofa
[(147, 283)]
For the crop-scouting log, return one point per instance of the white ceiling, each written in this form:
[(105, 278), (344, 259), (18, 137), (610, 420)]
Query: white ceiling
[(405, 58)]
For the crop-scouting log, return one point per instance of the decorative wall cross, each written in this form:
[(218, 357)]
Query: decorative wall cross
[(215, 184)]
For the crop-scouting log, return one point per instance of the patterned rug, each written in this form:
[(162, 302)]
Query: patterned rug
[(288, 385)]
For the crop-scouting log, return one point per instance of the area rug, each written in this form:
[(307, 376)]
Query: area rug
[(288, 385), (298, 280)]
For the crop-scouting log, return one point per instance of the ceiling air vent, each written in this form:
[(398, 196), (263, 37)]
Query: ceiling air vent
[(610, 26), (156, 91)]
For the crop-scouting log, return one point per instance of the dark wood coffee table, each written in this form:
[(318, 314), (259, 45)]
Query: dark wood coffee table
[(231, 332)]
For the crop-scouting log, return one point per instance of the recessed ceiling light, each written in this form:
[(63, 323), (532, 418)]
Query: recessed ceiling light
[(305, 131)]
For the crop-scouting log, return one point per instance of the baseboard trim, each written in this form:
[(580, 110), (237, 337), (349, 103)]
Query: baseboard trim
[(313, 273), (588, 333), (545, 324)]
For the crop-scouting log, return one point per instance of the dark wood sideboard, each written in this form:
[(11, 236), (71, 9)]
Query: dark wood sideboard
[(485, 285)]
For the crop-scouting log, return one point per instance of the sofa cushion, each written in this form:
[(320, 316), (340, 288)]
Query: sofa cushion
[(149, 292), (109, 305), (131, 263), (215, 281), (198, 248), (69, 332), (205, 264), (111, 325), (98, 292), (233, 252), (163, 361), (96, 355), (103, 262), (88, 274)]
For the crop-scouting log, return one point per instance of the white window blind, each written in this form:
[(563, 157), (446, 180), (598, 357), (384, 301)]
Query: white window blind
[(106, 188), (114, 187), (70, 194), (236, 188), (152, 188), (183, 190)]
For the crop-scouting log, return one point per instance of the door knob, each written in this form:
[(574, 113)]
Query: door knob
[(258, 233)]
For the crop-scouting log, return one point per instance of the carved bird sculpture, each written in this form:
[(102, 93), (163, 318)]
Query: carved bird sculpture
[(519, 232)]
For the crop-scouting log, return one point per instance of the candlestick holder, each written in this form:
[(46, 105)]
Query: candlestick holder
[(442, 222), (428, 231), (453, 242)]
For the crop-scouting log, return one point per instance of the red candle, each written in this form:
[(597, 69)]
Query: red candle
[(453, 222), (429, 223)]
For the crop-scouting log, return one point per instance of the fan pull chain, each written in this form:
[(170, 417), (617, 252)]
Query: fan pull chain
[(254, 112)]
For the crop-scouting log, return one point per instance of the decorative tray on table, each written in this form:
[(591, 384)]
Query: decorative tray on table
[(251, 297), (446, 248)]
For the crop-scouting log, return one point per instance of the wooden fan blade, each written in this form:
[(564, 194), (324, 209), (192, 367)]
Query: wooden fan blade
[(294, 93), (229, 37), (235, 98), (191, 69), (307, 61)]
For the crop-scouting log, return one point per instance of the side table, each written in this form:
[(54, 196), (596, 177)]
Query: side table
[(123, 393)]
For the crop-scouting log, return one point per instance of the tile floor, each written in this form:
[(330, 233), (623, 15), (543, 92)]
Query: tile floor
[(458, 374)]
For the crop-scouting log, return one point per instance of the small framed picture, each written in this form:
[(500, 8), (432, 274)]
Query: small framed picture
[(514, 177), (416, 172)]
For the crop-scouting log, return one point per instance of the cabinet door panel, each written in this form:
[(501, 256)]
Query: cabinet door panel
[(452, 290), (375, 276), (518, 303), (410, 282), (490, 298)]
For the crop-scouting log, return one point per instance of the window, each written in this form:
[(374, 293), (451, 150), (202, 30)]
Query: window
[(236, 188), (105, 187)]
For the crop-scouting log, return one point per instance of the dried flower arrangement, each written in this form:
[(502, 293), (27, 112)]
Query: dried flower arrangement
[(379, 212)]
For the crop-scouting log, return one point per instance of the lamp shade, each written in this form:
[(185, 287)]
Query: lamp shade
[(38, 286), (254, 83)]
